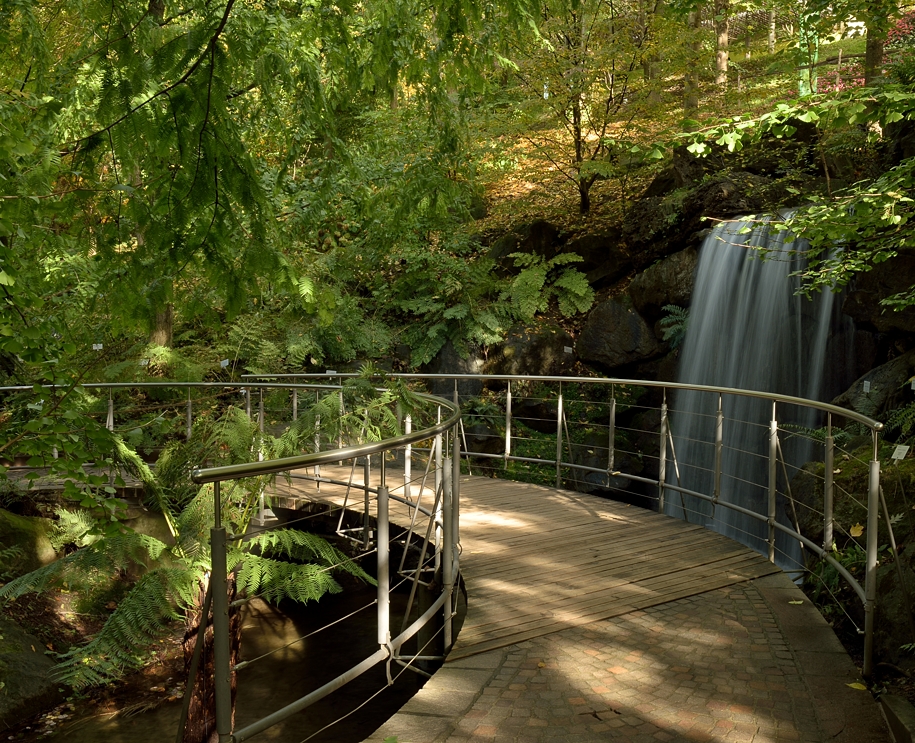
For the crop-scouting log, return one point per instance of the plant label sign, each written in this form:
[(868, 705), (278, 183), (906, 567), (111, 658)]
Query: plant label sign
[(900, 451), (867, 387), (223, 364)]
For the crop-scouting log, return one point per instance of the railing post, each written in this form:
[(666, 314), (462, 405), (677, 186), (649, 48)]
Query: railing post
[(448, 550), (317, 449), (719, 448), (109, 421), (383, 551), (508, 424), (773, 475), (662, 455), (190, 416), (218, 576), (247, 393), (407, 457), (295, 405), (366, 476), (260, 411), (437, 446), (456, 495), (829, 468), (870, 576), (611, 436), (559, 439)]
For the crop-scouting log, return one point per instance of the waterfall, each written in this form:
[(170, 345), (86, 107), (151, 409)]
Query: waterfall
[(747, 329)]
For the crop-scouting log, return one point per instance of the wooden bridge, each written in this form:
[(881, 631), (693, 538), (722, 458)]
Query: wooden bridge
[(537, 560)]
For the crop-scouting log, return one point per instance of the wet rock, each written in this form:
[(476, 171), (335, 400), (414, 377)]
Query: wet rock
[(615, 335), (670, 281), (30, 535), (539, 238), (449, 361), (891, 277), (25, 672), (881, 389), (545, 350)]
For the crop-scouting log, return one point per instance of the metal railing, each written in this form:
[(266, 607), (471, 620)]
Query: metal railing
[(619, 436), (518, 405)]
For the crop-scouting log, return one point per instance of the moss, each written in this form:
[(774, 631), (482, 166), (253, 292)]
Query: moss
[(30, 534)]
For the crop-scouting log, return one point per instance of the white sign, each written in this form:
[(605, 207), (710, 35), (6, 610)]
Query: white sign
[(223, 364), (97, 346), (329, 371), (144, 362), (567, 349), (867, 387), (900, 451)]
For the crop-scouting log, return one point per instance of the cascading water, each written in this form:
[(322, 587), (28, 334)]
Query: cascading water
[(748, 329)]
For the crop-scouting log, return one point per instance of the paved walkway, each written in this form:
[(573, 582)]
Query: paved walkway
[(740, 663)]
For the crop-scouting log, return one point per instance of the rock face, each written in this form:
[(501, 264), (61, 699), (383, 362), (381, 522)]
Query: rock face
[(615, 335), (449, 361), (886, 388), (30, 534), (545, 350), (669, 281), (25, 671), (884, 280)]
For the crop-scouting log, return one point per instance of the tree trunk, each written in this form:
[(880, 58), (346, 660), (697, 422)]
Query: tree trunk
[(771, 32), (201, 718), (722, 31), (691, 77), (873, 54), (163, 326)]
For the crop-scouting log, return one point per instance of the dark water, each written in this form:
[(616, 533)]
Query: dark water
[(288, 674)]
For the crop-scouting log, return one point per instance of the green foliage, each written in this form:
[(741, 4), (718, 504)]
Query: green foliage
[(539, 280), (902, 419), (674, 324)]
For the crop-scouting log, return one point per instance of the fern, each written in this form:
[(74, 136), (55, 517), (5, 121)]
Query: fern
[(902, 419), (674, 324), (73, 527), (141, 617)]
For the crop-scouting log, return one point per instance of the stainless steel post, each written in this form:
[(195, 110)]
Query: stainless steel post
[(109, 421), (295, 405), (719, 448), (366, 476), (190, 416), (508, 423), (456, 495), (247, 393), (773, 475), (559, 439), (260, 411), (218, 576), (662, 456), (407, 458), (829, 468), (611, 436), (447, 551), (383, 551), (438, 455), (870, 576)]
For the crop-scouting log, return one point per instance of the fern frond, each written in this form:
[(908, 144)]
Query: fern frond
[(273, 580), (142, 616), (73, 527), (299, 545)]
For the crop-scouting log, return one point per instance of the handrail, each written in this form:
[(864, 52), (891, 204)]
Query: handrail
[(874, 425), (274, 466)]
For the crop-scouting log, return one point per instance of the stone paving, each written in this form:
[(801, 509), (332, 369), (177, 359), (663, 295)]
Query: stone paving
[(743, 663)]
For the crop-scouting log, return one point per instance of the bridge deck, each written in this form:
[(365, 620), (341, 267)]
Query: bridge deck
[(538, 560)]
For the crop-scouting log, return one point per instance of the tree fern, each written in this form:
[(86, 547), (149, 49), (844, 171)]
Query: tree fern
[(142, 616)]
